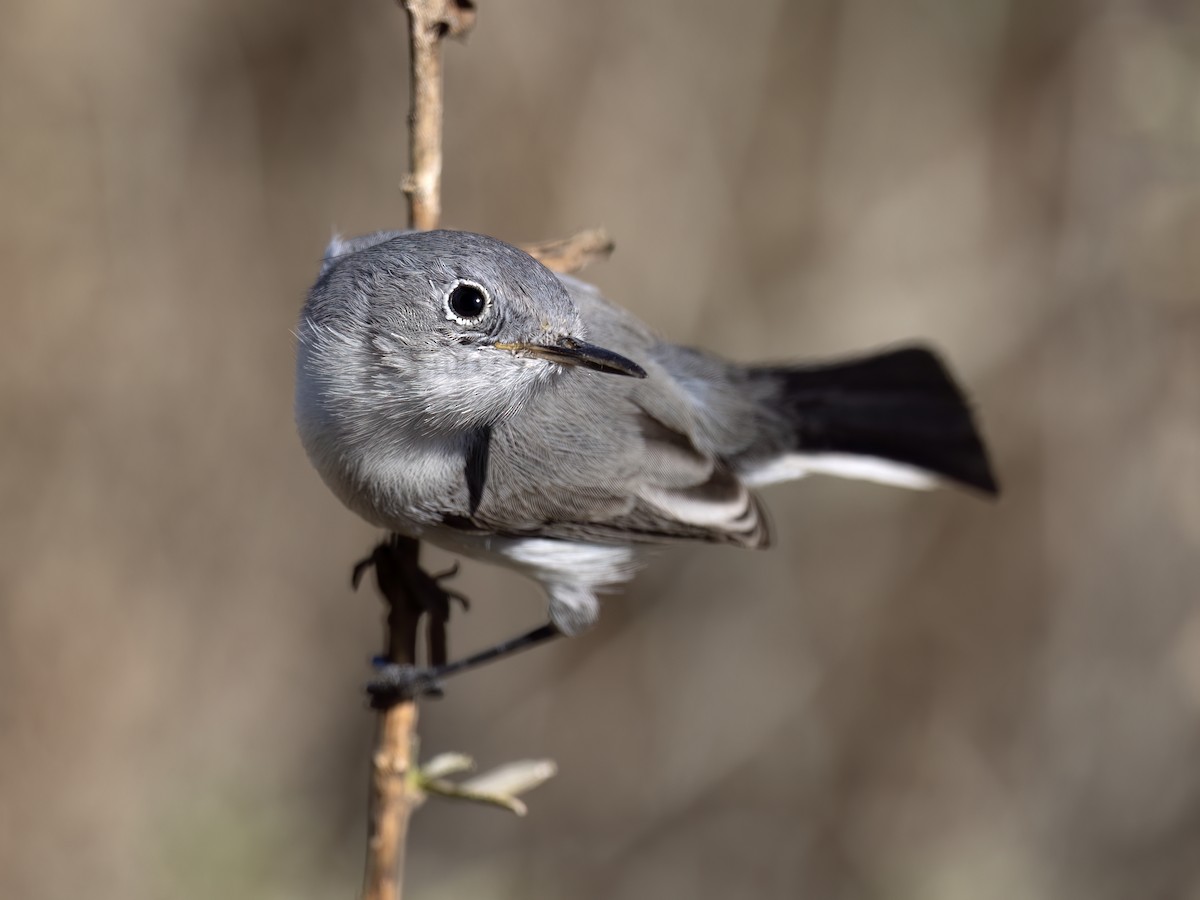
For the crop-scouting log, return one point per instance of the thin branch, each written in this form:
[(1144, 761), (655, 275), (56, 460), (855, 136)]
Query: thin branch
[(574, 253), (429, 22), (395, 790), (394, 795), (395, 787)]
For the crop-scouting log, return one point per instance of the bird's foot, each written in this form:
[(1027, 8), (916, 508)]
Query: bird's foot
[(397, 570), (412, 594)]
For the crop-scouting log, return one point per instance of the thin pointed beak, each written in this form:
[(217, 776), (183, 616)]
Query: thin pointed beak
[(570, 352)]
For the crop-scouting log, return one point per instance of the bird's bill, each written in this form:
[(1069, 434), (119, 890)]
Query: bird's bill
[(570, 352)]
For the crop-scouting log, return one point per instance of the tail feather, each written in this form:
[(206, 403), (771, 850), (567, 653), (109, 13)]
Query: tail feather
[(902, 406)]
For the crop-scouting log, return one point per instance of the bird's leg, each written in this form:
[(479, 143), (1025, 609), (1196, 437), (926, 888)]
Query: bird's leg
[(394, 682), (412, 593)]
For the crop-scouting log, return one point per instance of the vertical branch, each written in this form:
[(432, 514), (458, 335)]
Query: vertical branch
[(429, 22), (395, 790), (394, 795)]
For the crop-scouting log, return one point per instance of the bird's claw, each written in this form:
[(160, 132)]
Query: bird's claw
[(366, 563), (360, 569), (449, 573), (453, 595)]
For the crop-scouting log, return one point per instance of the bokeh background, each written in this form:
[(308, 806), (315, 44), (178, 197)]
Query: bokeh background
[(910, 696)]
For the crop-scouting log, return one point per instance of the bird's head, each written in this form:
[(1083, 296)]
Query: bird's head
[(437, 332)]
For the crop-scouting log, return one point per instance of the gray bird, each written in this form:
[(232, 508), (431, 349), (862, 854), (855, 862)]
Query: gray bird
[(452, 389)]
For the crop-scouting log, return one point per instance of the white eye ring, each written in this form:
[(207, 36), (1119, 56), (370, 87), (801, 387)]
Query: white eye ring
[(467, 303)]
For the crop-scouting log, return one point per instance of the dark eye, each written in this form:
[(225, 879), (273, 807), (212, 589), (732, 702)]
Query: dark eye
[(466, 302)]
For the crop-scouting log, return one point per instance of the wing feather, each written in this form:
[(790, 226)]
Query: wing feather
[(592, 465), (612, 460)]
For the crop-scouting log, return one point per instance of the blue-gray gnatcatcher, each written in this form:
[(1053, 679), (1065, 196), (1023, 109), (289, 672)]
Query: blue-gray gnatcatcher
[(452, 389)]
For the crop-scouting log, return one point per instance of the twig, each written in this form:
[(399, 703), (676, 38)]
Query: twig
[(395, 787), (394, 795), (395, 791), (572, 254), (398, 785), (429, 21)]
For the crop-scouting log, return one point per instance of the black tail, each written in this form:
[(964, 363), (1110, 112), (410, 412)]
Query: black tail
[(901, 405)]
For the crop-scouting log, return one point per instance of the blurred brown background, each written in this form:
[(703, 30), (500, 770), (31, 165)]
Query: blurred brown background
[(911, 696)]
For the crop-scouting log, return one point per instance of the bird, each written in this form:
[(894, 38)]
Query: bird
[(452, 389)]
